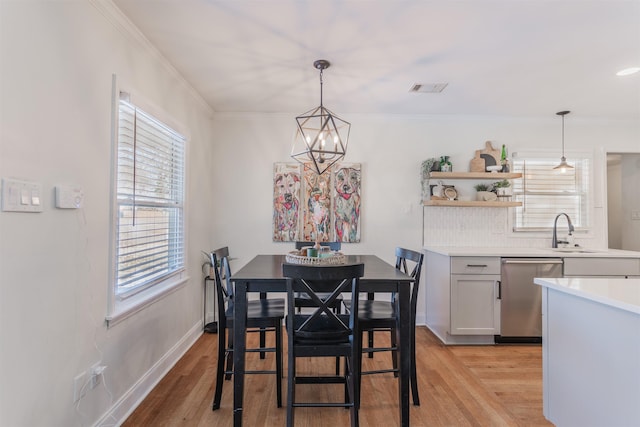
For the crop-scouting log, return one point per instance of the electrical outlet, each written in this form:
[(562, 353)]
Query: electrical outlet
[(95, 374), (79, 388)]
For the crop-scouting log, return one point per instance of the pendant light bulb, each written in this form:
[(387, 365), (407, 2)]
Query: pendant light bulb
[(563, 166)]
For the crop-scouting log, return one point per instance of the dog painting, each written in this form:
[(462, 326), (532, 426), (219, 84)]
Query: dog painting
[(316, 222), (310, 207), (286, 202), (346, 210)]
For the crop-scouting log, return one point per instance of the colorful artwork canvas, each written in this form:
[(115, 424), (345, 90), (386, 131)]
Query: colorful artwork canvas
[(317, 194), (286, 202), (346, 206), (311, 207)]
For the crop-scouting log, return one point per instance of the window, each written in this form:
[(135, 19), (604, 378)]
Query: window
[(545, 193), (149, 199)]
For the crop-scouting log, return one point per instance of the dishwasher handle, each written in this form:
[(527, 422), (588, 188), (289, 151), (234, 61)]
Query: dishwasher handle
[(533, 261)]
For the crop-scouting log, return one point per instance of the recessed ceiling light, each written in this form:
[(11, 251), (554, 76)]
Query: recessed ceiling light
[(628, 71), (428, 87)]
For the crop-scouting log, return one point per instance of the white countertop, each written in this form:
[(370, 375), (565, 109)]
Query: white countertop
[(531, 252), (620, 293)]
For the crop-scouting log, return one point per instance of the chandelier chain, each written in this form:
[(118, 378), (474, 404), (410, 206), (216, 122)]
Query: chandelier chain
[(321, 72)]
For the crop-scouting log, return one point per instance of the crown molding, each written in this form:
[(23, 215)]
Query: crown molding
[(122, 23)]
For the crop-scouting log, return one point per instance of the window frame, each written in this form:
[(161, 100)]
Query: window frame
[(552, 156), (123, 304)]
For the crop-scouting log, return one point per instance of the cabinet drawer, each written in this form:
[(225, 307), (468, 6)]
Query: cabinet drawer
[(475, 265), (601, 266)]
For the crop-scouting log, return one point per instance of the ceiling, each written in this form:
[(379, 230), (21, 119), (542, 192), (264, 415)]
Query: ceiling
[(528, 58)]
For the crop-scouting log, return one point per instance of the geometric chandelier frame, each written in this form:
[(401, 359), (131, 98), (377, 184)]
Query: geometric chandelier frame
[(321, 137)]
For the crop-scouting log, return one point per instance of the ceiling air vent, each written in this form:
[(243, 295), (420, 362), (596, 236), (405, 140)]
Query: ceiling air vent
[(428, 87)]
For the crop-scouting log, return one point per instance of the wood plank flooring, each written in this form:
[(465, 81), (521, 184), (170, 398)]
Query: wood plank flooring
[(459, 386)]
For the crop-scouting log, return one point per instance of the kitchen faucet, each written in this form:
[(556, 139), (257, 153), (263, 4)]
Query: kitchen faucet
[(555, 241)]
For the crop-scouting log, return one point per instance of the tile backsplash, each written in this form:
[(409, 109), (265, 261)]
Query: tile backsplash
[(481, 227)]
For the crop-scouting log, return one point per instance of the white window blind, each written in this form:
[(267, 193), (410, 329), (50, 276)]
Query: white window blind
[(150, 196), (545, 192)]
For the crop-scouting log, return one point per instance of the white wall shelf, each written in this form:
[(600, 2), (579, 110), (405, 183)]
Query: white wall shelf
[(475, 175), (471, 203), (496, 176)]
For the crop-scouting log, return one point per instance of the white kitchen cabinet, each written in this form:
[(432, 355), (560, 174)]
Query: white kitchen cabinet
[(475, 304), (601, 267), (475, 296), (462, 298)]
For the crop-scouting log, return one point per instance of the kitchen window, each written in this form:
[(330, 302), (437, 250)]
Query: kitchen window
[(545, 192), (149, 236)]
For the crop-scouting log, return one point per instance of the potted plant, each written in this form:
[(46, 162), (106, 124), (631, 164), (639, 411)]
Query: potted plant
[(428, 166), (484, 193), (502, 187)]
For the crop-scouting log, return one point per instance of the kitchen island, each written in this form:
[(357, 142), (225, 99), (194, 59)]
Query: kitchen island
[(591, 351)]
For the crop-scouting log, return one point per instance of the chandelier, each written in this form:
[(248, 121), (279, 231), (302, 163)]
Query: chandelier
[(321, 137)]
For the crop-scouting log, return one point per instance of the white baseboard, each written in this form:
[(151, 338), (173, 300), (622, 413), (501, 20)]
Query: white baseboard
[(121, 409)]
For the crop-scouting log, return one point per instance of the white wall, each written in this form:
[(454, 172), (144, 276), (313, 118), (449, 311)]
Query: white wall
[(391, 150), (55, 84), (55, 76), (630, 178), (614, 203)]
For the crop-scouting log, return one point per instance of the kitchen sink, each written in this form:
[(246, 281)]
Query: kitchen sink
[(576, 250)]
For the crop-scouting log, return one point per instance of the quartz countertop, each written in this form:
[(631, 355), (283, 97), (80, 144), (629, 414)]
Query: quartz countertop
[(620, 293), (532, 252)]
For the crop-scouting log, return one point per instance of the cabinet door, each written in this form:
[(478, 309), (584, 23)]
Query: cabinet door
[(611, 267), (475, 304)]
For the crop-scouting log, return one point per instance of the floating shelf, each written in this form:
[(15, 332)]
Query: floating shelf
[(475, 175), (471, 203)]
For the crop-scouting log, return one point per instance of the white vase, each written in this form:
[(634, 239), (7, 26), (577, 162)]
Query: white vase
[(486, 196)]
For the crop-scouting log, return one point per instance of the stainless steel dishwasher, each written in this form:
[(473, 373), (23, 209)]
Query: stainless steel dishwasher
[(521, 306)]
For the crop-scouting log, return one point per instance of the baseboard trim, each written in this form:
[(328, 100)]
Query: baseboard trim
[(121, 409)]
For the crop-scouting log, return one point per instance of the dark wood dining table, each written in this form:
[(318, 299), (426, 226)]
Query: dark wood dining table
[(264, 274)]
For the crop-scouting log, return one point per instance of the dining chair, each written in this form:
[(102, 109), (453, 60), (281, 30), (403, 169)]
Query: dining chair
[(323, 332), (263, 315), (302, 300), (380, 316)]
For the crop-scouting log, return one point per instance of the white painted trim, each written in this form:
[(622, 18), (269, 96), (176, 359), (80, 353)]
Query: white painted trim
[(123, 309), (132, 398), (123, 24)]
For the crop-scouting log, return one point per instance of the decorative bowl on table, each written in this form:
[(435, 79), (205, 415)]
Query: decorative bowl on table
[(494, 168), (323, 258)]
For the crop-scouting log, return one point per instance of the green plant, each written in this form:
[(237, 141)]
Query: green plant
[(481, 187), (428, 166), (502, 184)]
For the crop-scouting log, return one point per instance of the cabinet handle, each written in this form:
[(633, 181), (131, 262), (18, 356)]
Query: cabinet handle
[(499, 289), (476, 265)]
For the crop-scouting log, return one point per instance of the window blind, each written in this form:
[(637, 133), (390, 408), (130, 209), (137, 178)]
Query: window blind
[(545, 193), (150, 197)]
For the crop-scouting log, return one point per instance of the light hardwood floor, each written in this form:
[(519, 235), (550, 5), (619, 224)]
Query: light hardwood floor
[(459, 386)]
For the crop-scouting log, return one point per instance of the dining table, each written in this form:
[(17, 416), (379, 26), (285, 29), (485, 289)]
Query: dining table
[(263, 274)]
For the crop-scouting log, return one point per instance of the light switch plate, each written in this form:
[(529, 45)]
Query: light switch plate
[(21, 196)]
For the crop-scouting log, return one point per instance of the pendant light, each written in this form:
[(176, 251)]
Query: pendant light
[(563, 166), (321, 137)]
